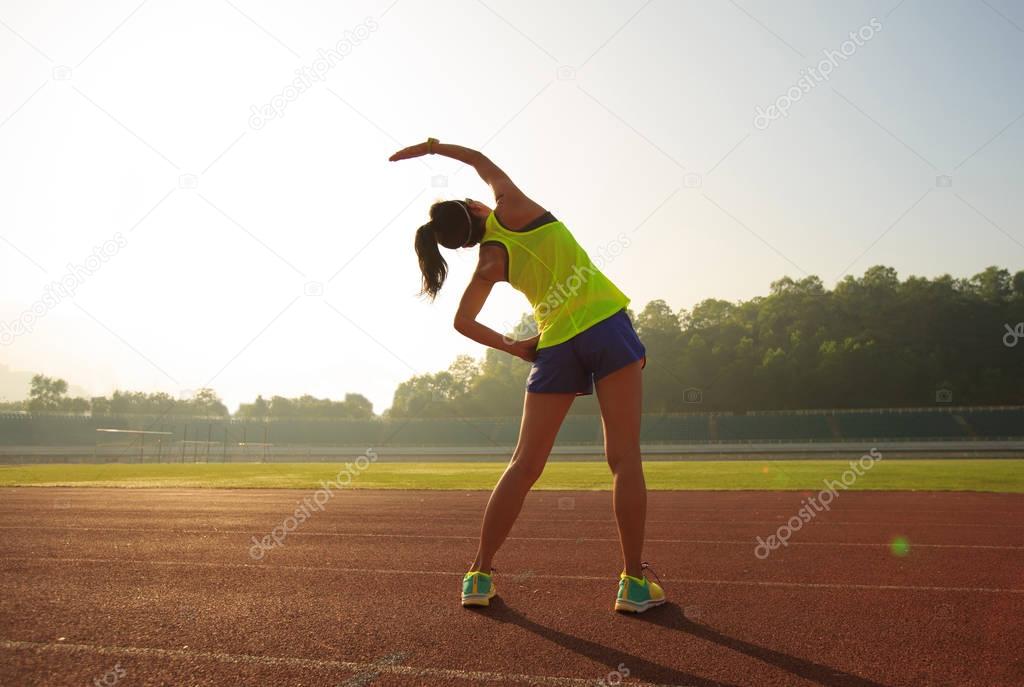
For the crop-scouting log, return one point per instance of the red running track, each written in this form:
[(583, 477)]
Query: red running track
[(157, 587)]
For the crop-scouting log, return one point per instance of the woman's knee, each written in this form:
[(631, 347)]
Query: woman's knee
[(623, 458), (528, 467)]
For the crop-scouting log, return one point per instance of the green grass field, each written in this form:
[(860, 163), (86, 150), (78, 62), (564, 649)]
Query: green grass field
[(893, 474)]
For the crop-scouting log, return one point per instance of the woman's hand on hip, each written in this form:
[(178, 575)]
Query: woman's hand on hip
[(525, 349)]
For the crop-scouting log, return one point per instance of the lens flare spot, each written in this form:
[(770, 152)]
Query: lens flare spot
[(899, 546), (764, 469)]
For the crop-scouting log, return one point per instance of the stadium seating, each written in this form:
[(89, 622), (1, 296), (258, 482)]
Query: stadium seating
[(773, 427), (674, 429), (900, 425), (994, 423)]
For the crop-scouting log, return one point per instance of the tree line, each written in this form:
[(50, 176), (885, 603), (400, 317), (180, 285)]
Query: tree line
[(49, 395), (872, 341), (353, 407)]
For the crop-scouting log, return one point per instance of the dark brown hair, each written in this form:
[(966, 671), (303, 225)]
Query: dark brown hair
[(451, 225)]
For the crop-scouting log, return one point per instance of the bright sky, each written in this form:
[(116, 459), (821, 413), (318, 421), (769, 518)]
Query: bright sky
[(130, 126)]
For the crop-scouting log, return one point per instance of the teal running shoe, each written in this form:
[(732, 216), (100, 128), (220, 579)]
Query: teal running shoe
[(477, 589), (638, 594)]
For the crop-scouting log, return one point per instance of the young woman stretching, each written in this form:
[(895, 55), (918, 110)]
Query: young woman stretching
[(585, 338)]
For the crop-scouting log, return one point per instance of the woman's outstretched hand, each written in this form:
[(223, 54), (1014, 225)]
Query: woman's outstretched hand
[(410, 152)]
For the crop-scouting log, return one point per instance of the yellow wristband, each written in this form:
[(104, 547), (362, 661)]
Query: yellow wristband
[(430, 143)]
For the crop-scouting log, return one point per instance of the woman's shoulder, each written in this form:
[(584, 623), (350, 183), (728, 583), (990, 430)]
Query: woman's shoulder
[(522, 224)]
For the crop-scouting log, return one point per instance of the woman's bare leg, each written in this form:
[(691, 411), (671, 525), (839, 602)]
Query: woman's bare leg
[(620, 397), (542, 417)]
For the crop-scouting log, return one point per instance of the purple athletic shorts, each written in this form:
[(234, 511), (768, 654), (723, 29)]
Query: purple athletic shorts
[(574, 365)]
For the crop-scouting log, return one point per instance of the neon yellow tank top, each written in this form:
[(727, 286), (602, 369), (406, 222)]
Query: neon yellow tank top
[(567, 291)]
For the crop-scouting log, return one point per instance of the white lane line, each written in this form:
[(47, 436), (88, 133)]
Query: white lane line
[(681, 521), (12, 506), (582, 578), (277, 661), (362, 679), (389, 535)]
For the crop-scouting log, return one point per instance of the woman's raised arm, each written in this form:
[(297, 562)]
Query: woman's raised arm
[(516, 207)]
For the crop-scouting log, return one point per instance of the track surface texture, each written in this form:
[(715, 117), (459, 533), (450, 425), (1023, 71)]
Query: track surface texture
[(158, 587)]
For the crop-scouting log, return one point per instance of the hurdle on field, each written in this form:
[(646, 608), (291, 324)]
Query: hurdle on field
[(130, 434), (257, 444), (196, 445)]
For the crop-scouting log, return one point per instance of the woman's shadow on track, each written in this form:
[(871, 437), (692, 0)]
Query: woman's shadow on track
[(671, 616)]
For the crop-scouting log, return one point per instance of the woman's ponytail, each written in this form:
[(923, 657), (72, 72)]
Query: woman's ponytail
[(432, 264), (451, 225)]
